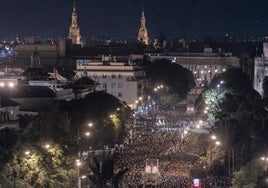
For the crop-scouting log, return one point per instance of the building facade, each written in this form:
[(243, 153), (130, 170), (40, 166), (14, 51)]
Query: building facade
[(261, 70), (143, 33), (204, 66), (74, 30), (124, 81), (46, 50)]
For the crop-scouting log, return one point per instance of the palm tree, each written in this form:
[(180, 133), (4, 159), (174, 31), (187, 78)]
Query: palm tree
[(103, 173)]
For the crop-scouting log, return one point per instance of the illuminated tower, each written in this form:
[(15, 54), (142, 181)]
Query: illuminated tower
[(143, 34), (74, 31)]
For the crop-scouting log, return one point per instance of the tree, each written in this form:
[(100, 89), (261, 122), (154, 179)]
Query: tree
[(103, 173), (247, 176), (177, 80), (237, 113)]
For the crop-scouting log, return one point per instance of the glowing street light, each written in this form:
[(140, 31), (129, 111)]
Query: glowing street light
[(87, 133), (47, 146), (90, 124), (265, 160), (78, 164), (27, 152), (213, 137), (83, 177), (218, 143), (11, 84)]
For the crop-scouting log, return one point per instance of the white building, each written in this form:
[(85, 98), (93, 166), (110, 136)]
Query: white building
[(203, 65), (261, 69), (124, 81)]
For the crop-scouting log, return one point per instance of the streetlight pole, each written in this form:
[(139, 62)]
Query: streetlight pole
[(78, 164), (14, 176), (265, 159)]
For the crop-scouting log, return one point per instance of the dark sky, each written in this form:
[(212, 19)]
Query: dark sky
[(121, 18)]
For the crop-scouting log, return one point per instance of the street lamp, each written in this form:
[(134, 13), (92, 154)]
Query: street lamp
[(27, 152), (11, 84), (90, 124), (78, 164), (265, 160), (217, 143), (213, 137)]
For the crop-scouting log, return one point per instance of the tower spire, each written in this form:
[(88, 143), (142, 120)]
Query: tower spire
[(74, 8), (74, 30), (143, 33)]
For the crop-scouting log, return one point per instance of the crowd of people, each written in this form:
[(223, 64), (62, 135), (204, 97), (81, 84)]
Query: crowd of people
[(175, 158), (178, 157)]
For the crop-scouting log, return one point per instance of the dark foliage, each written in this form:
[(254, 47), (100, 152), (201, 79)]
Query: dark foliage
[(178, 79)]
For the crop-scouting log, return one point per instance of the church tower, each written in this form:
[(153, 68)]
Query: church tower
[(74, 31), (143, 34)]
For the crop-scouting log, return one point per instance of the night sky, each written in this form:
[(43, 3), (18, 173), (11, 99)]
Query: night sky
[(120, 19)]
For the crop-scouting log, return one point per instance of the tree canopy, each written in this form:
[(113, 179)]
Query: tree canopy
[(42, 153), (236, 112), (177, 81)]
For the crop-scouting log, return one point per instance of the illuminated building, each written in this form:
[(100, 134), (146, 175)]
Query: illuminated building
[(204, 66), (261, 69), (124, 81), (143, 34), (74, 30)]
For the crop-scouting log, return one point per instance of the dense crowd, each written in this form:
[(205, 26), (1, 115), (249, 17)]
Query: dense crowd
[(178, 153), (175, 159)]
